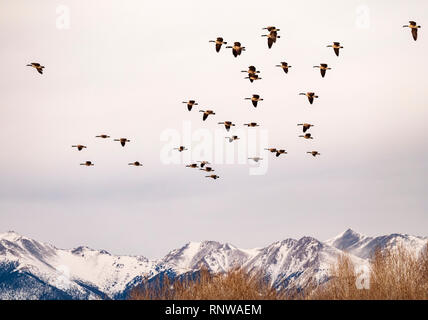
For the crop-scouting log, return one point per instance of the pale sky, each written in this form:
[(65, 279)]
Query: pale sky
[(123, 68)]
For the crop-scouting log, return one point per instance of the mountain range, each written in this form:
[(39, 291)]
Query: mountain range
[(30, 269)]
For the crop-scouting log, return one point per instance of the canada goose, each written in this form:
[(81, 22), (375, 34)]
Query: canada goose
[(79, 147), (232, 138), (306, 126), (190, 104), (271, 38), (256, 159), (251, 124), (314, 153), (284, 66), (136, 164), (251, 70), (103, 136), (310, 96), (213, 176), (87, 163), (36, 66), (279, 152), (206, 114), (218, 42), (236, 49), (307, 136), (122, 141), (273, 150), (414, 28), (271, 28), (227, 124), (254, 99), (336, 47), (203, 163), (323, 68), (181, 148), (207, 169), (193, 165), (253, 77)]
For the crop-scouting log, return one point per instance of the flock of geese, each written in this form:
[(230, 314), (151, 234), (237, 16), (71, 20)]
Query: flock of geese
[(252, 75)]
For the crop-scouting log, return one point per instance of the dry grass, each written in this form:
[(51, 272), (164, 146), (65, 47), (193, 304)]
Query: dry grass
[(236, 284), (394, 275)]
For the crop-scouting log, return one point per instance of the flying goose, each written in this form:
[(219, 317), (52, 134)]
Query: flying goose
[(306, 126), (122, 141), (190, 104), (314, 153), (36, 66), (227, 124), (307, 136), (103, 136), (336, 47), (310, 96), (213, 176), (414, 28), (271, 28), (193, 165), (206, 114), (253, 77), (256, 159), (203, 163), (207, 169), (284, 66), (218, 42), (79, 147), (135, 163), (254, 99), (323, 68), (273, 150), (279, 152), (232, 138), (251, 70), (181, 148), (87, 163), (271, 38), (251, 124), (236, 49)]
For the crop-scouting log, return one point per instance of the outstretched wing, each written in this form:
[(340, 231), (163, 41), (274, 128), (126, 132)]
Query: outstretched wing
[(254, 103), (336, 51), (205, 116), (270, 42), (323, 72), (218, 47), (415, 33), (311, 99)]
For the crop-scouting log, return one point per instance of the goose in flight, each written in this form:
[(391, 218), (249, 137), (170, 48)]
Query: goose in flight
[(203, 163), (206, 114), (36, 66), (79, 147), (236, 49), (305, 126), (190, 104), (227, 124), (122, 141), (279, 152), (207, 169), (271, 38), (323, 68), (414, 28), (336, 47), (251, 124), (135, 163), (181, 148), (232, 138), (253, 77), (254, 99), (193, 165), (218, 42), (271, 28), (213, 176), (284, 66), (314, 153), (255, 159), (103, 136), (307, 136), (251, 70), (87, 163), (310, 95), (273, 150)]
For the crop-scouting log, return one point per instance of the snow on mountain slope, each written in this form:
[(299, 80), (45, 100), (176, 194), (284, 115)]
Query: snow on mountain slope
[(363, 246)]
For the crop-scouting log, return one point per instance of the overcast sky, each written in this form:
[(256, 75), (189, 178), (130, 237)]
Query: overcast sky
[(123, 68)]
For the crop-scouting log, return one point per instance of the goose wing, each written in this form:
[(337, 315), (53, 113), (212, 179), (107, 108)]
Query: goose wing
[(322, 72), (415, 33)]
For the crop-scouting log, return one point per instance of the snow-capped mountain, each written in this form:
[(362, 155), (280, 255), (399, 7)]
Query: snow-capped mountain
[(34, 270)]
